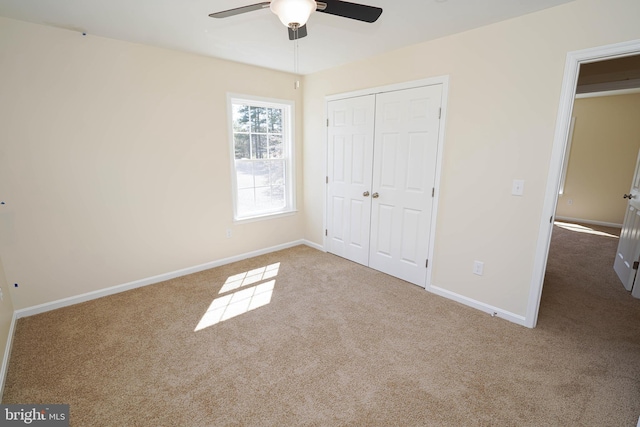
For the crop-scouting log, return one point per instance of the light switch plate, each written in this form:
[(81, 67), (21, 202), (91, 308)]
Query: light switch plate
[(478, 268), (518, 187)]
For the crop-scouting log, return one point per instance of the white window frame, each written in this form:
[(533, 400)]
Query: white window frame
[(288, 137)]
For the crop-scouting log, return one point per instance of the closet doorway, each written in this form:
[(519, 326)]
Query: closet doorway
[(382, 171)]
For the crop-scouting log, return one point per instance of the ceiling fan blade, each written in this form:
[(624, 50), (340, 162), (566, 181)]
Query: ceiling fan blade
[(239, 10), (360, 12), (302, 32)]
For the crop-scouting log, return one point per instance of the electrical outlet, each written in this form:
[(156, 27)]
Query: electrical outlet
[(478, 268), (229, 233)]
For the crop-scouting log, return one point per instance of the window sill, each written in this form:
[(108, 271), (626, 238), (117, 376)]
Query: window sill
[(265, 217)]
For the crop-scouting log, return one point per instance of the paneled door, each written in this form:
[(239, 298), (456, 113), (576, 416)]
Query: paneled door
[(404, 173), (382, 152), (628, 252), (350, 162)]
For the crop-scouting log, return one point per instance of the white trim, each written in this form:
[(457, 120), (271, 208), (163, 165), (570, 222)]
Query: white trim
[(608, 93), (388, 88), (494, 311), (325, 162), (41, 308), (440, 80), (313, 245), (565, 109), (588, 221), (264, 217), (436, 197), (7, 353), (565, 164), (633, 84)]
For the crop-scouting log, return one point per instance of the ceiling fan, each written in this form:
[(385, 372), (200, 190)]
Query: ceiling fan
[(295, 13)]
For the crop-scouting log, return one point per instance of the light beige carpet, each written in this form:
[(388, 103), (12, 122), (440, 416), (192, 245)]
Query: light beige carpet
[(339, 344)]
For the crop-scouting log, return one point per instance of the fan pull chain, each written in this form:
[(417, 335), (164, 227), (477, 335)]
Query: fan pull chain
[(296, 58)]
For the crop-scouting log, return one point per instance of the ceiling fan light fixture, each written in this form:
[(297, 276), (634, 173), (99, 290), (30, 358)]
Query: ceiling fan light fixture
[(293, 13)]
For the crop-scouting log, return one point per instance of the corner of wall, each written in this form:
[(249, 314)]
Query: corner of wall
[(7, 326)]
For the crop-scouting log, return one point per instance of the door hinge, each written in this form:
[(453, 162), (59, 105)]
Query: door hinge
[(636, 264), (439, 113), (433, 191), (326, 232), (327, 179), (426, 264), (327, 122)]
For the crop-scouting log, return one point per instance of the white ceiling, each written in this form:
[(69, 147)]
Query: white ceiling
[(258, 37)]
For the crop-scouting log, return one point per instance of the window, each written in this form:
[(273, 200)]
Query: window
[(262, 157)]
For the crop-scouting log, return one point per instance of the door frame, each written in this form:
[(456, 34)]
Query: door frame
[(439, 80), (558, 153)]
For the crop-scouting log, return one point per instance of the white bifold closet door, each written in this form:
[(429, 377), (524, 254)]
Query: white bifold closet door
[(350, 166), (382, 153)]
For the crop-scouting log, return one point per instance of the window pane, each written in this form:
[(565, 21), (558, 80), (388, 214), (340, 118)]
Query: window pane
[(277, 172), (258, 119), (275, 147), (261, 174), (278, 196), (240, 118), (263, 198), (275, 120), (246, 202), (259, 146), (269, 198), (244, 175), (241, 145)]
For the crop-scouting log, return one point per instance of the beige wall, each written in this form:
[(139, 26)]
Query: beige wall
[(606, 139), (115, 162), (505, 82)]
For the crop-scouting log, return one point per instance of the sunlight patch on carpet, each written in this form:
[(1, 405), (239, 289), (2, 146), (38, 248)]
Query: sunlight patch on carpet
[(250, 277), (583, 229), (243, 300)]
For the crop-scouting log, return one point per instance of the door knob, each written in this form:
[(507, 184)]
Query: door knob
[(628, 196), (365, 194), (375, 195)]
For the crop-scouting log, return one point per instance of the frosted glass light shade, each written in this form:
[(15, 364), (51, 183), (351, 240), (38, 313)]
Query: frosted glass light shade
[(293, 11)]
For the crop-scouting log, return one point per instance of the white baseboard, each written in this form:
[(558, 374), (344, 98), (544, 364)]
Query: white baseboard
[(42, 308), (7, 353), (314, 245), (494, 311), (588, 221)]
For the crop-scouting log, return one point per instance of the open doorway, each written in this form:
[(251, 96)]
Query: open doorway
[(603, 143), (595, 218), (575, 62)]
